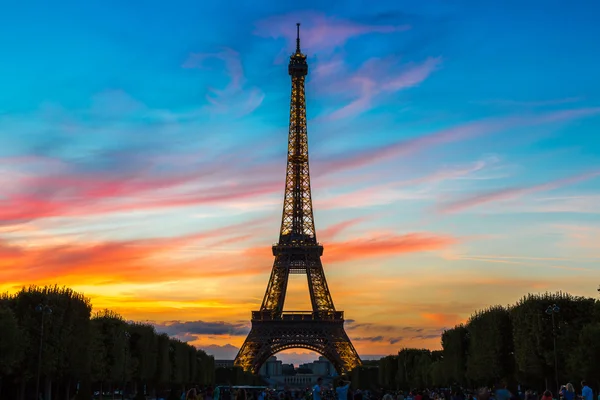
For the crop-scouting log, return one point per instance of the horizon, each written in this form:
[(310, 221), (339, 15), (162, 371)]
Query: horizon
[(455, 160)]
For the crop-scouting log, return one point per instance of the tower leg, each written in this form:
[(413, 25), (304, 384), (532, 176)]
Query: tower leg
[(275, 295)]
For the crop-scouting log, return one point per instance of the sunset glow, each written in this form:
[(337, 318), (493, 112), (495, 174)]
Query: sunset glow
[(455, 159)]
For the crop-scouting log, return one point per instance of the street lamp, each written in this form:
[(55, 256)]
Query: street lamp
[(126, 335), (551, 310), (44, 310)]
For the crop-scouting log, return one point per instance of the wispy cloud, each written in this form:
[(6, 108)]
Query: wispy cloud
[(380, 245), (531, 103), (233, 97), (457, 133), (377, 77), (142, 260), (512, 193), (46, 187), (368, 338), (332, 231), (369, 194)]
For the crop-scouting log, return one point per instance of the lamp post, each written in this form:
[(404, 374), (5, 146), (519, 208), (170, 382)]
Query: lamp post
[(126, 335), (551, 310), (44, 310)]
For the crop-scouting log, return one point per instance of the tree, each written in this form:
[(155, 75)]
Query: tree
[(10, 343), (163, 362), (109, 349), (144, 354), (414, 367), (455, 343), (490, 353), (583, 361), (533, 334), (388, 370)]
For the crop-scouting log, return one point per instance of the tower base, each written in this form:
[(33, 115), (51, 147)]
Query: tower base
[(320, 332)]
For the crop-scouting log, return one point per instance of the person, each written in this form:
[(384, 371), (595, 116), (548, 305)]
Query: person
[(342, 390), (240, 395), (569, 392), (586, 391), (317, 389), (547, 395), (502, 393), (483, 394)]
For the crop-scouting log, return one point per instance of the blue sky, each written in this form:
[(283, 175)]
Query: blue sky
[(455, 155)]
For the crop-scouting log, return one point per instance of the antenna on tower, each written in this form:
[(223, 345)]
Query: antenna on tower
[(298, 37)]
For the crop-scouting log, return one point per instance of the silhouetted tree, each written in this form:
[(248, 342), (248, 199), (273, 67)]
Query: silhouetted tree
[(490, 352), (455, 344)]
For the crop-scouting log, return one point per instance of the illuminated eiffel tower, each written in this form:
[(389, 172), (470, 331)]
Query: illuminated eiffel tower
[(297, 252)]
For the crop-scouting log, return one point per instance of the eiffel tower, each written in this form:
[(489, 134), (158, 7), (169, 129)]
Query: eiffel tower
[(297, 252)]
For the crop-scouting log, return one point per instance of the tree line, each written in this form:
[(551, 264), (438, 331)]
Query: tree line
[(50, 339), (515, 344)]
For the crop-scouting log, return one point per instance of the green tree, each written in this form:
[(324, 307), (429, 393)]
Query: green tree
[(206, 368), (163, 362), (413, 368), (144, 354), (455, 344), (583, 360), (109, 349), (388, 370), (54, 320), (490, 354), (533, 334)]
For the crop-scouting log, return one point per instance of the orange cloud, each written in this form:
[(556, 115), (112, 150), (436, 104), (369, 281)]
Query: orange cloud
[(376, 246), (144, 260), (447, 320), (385, 245)]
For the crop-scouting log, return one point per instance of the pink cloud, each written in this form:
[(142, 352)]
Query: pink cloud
[(319, 33), (457, 133), (334, 230), (390, 192), (513, 193), (41, 187)]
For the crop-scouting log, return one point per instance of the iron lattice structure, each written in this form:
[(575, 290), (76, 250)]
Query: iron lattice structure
[(297, 252)]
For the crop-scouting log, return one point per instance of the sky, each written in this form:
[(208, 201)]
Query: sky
[(454, 150)]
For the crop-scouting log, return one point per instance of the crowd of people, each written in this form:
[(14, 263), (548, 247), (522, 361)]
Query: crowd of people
[(341, 390)]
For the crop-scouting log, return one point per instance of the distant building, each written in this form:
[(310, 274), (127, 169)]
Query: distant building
[(280, 375), (288, 369), (321, 367), (273, 367)]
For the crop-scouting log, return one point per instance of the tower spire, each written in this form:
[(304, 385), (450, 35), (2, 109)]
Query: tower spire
[(298, 38)]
